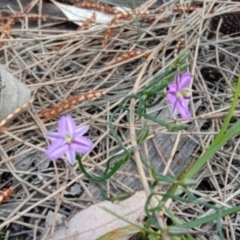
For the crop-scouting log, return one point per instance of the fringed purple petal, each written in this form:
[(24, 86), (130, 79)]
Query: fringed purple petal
[(185, 80), (82, 145), (54, 136), (172, 87), (183, 109), (81, 131), (174, 110), (71, 156), (62, 126), (56, 150), (171, 97), (66, 125), (71, 125), (177, 79)]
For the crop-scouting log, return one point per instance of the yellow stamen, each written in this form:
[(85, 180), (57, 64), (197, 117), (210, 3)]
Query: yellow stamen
[(68, 139), (179, 95), (186, 92)]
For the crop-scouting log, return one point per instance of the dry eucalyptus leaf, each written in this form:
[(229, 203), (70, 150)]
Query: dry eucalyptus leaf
[(124, 233), (13, 94), (59, 219), (41, 162), (94, 222), (79, 15), (74, 190), (23, 162)]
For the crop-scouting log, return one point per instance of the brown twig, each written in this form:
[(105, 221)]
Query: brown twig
[(10, 21), (64, 105), (128, 55)]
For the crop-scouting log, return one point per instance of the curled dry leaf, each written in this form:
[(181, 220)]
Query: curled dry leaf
[(79, 15), (94, 222)]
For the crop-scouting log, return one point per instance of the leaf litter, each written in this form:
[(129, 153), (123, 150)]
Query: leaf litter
[(78, 67)]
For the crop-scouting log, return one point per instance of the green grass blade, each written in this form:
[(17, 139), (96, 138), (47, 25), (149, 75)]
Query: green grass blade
[(229, 116), (210, 218)]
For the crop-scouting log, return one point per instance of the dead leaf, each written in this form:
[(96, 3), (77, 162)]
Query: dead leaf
[(41, 162), (120, 234), (13, 94), (58, 217), (74, 190), (79, 15), (94, 222)]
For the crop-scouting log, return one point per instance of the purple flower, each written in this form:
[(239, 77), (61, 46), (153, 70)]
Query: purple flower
[(178, 95), (68, 140)]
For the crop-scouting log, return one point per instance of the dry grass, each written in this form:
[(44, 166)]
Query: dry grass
[(80, 66)]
